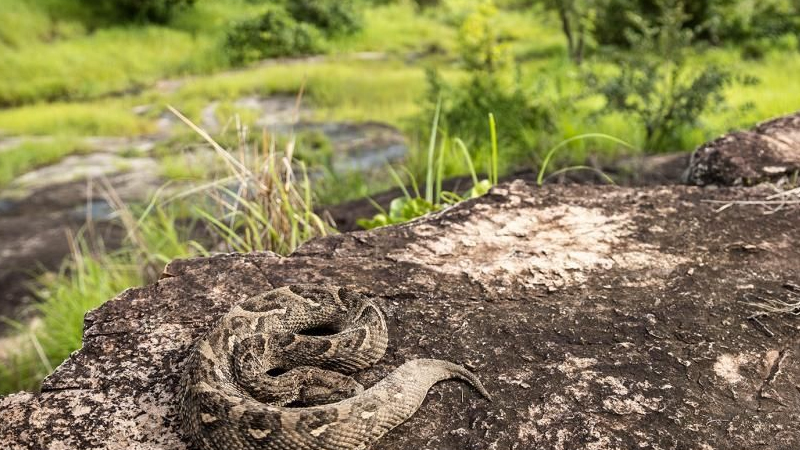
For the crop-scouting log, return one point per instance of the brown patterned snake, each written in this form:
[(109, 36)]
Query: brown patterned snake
[(272, 375)]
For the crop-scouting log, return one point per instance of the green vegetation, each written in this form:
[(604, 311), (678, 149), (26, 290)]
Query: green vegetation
[(50, 50), (30, 154), (662, 92), (275, 33), (160, 11), (660, 75), (410, 206), (74, 119), (86, 282)]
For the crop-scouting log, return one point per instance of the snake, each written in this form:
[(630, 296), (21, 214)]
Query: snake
[(274, 373)]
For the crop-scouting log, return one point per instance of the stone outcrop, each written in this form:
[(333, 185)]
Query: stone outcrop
[(598, 318), (769, 151)]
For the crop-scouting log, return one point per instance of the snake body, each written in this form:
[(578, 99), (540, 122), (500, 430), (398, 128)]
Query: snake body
[(272, 374)]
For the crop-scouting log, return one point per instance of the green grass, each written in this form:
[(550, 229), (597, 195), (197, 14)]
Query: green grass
[(777, 93), (47, 54), (85, 283), (104, 118), (29, 155), (183, 167), (399, 28)]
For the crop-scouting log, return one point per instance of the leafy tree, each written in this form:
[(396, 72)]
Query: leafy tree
[(712, 21)]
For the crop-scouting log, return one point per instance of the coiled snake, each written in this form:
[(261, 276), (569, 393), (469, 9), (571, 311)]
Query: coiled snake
[(272, 375)]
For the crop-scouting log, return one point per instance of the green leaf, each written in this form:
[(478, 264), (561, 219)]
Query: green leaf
[(480, 188)]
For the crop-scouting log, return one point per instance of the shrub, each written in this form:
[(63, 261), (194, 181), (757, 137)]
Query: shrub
[(656, 86), (158, 11), (492, 87), (664, 98), (466, 106), (275, 33), (713, 21), (332, 17), (577, 23), (479, 40)]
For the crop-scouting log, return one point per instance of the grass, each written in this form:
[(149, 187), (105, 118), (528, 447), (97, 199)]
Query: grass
[(29, 155), (48, 52), (339, 89), (104, 118), (184, 167), (263, 204), (399, 28), (439, 155), (84, 283)]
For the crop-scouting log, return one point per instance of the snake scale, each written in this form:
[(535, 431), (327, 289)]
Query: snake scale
[(273, 374)]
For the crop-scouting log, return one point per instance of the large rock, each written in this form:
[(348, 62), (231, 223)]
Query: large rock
[(769, 151), (598, 318)]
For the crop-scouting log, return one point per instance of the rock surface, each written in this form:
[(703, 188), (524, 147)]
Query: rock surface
[(769, 151), (598, 318)]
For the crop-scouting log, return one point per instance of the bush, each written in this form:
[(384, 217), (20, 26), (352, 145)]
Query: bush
[(466, 107), (479, 40), (158, 11), (273, 34), (666, 100), (656, 86), (712, 21), (332, 17)]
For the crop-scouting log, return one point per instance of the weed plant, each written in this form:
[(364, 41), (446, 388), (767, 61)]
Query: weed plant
[(413, 204)]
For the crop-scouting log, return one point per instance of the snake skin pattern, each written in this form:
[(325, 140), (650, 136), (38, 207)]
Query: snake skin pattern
[(272, 375)]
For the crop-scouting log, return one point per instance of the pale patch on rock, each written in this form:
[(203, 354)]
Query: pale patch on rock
[(727, 367), (615, 384), (572, 366), (551, 247), (517, 379), (81, 410), (637, 404)]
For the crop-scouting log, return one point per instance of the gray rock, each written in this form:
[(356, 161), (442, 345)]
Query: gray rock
[(598, 318), (768, 152)]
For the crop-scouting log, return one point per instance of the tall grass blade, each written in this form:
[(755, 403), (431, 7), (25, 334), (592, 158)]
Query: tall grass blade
[(493, 175), (562, 144), (460, 144), (431, 151), (599, 172)]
